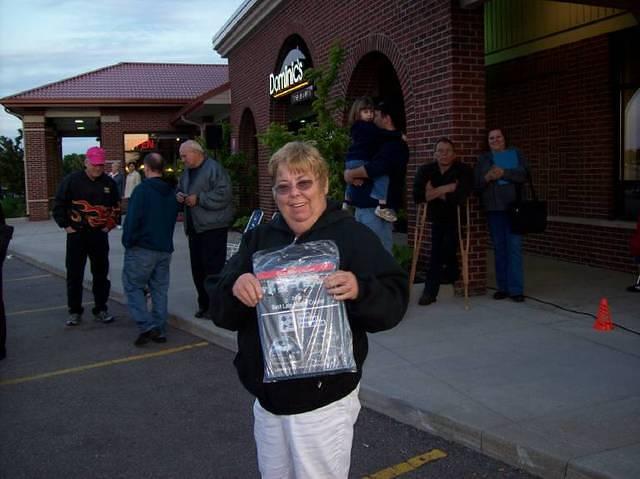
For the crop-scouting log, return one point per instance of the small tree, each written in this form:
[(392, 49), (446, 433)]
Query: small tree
[(11, 164), (72, 162), (331, 139)]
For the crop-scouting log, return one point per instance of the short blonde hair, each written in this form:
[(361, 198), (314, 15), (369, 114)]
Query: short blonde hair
[(299, 157)]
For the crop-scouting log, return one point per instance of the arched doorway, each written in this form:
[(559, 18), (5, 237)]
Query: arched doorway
[(248, 146), (375, 76)]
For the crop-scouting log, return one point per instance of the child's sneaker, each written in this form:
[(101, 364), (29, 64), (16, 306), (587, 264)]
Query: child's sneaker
[(386, 214)]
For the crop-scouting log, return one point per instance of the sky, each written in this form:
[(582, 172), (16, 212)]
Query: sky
[(45, 41)]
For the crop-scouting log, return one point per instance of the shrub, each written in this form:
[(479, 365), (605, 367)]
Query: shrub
[(403, 255), (13, 206)]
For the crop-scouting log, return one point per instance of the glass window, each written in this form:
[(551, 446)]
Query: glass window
[(136, 145), (631, 101)]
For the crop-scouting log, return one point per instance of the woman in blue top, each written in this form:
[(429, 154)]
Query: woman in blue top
[(498, 174), (365, 141)]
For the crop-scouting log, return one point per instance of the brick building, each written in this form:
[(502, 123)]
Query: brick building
[(130, 108), (560, 78)]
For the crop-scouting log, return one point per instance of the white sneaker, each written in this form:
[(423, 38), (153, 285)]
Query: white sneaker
[(74, 319), (387, 214)]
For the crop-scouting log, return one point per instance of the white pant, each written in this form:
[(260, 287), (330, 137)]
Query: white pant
[(314, 444)]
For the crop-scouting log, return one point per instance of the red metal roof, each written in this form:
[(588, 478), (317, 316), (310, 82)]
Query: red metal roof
[(131, 82)]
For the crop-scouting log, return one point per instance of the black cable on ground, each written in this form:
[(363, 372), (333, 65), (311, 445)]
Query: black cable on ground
[(575, 312)]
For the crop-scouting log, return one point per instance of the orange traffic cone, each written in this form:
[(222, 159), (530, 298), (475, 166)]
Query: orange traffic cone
[(603, 320)]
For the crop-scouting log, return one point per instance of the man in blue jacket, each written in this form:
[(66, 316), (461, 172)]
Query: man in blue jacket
[(148, 241), (391, 160)]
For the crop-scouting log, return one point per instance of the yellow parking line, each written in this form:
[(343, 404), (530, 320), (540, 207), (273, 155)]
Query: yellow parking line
[(25, 278), (40, 310), (409, 465), (103, 364)]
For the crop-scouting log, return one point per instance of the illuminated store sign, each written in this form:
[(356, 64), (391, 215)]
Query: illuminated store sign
[(291, 76), (302, 95)]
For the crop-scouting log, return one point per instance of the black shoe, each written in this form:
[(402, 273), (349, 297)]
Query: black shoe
[(159, 339), (518, 298), (202, 314), (634, 289), (144, 338), (426, 299), (500, 295)]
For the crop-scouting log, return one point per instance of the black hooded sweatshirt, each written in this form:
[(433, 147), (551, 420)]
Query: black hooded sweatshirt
[(381, 303)]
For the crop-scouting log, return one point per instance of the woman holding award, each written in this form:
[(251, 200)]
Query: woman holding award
[(306, 385), (498, 174)]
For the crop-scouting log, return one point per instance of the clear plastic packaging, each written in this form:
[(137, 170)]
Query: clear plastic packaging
[(304, 331)]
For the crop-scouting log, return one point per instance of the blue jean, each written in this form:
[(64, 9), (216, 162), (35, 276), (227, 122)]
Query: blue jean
[(383, 229), (142, 268), (380, 185), (508, 254)]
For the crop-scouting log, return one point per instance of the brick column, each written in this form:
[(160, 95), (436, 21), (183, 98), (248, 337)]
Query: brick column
[(452, 104), (35, 158), (277, 114), (467, 117), (112, 137)]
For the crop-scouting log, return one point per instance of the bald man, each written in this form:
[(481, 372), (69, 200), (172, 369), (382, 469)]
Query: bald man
[(204, 189)]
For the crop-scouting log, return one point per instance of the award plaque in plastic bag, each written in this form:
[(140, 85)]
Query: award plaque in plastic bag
[(304, 331)]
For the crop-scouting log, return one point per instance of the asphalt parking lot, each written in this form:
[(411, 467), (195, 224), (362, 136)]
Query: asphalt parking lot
[(85, 402)]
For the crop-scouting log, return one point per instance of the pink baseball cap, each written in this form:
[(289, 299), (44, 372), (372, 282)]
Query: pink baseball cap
[(96, 156)]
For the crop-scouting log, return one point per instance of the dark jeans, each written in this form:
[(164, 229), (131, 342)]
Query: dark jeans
[(443, 263), (80, 246), (5, 236), (208, 253), (507, 247)]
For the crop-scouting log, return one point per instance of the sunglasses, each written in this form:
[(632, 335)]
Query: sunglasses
[(285, 188)]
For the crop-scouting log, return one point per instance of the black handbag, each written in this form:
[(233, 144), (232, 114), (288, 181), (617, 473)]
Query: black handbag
[(527, 215)]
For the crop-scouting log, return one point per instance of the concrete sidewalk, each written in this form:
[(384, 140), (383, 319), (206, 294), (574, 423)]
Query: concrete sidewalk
[(529, 384)]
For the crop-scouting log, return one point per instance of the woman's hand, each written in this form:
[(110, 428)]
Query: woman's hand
[(495, 173), (247, 289), (342, 285)]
